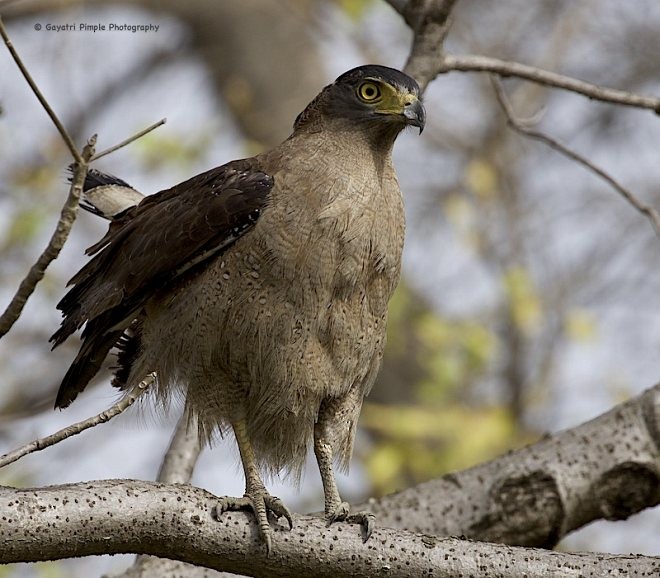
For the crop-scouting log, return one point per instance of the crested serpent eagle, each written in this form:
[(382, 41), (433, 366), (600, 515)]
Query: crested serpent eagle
[(259, 289)]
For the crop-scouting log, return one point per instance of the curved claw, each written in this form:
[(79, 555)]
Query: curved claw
[(367, 520), (277, 507), (261, 504)]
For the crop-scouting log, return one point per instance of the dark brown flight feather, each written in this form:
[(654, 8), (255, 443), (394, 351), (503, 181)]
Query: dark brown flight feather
[(148, 247)]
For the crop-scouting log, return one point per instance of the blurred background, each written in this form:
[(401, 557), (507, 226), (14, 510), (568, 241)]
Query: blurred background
[(530, 300)]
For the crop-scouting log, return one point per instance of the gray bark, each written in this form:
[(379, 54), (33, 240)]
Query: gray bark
[(607, 468), (118, 516)]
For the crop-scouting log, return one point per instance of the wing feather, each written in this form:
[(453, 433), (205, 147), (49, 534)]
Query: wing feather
[(148, 247)]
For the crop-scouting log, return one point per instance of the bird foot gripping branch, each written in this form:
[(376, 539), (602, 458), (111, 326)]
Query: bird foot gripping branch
[(260, 287), (365, 519), (261, 504)]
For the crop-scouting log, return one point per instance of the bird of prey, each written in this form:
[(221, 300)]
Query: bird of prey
[(259, 289)]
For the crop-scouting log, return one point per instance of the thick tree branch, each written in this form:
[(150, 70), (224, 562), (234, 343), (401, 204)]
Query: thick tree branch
[(181, 457), (177, 468), (430, 21), (76, 428), (606, 468), (520, 127), (119, 516)]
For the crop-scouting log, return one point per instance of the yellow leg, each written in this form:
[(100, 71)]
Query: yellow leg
[(256, 496), (335, 509)]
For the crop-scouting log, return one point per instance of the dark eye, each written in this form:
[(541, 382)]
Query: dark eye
[(368, 92)]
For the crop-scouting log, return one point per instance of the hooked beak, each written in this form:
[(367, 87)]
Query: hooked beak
[(415, 114)]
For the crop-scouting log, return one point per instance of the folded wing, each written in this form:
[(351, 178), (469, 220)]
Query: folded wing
[(149, 246)]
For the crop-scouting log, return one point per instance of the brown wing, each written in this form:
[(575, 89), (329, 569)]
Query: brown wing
[(151, 245)]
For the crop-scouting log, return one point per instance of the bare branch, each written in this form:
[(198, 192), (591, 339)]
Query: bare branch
[(76, 428), (70, 208), (608, 468), (474, 63), (177, 468), (35, 89), (430, 21), (180, 459), (520, 127), (55, 244), (124, 516), (129, 140)]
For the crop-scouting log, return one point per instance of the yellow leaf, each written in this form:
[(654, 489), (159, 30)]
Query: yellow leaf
[(523, 298), (416, 443), (580, 326), (156, 150), (480, 344), (457, 210), (25, 225), (354, 9), (384, 465), (481, 178)]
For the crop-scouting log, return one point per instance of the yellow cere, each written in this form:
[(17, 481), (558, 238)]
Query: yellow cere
[(390, 99)]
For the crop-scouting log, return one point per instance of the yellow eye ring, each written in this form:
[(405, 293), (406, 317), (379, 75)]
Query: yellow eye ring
[(369, 92)]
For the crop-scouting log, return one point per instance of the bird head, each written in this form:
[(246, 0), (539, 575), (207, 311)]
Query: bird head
[(375, 95)]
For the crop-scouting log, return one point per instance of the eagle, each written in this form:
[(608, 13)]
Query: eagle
[(258, 290)]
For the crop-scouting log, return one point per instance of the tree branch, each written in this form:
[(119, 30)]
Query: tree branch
[(129, 140), (177, 468), (475, 63), (517, 125), (606, 468), (430, 21), (69, 210), (120, 516), (55, 244), (181, 457), (76, 428), (35, 89)]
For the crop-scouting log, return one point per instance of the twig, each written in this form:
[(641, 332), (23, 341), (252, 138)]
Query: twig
[(519, 127), (81, 426), (474, 63), (55, 244), (56, 121), (70, 208), (129, 140)]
